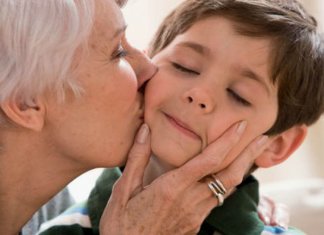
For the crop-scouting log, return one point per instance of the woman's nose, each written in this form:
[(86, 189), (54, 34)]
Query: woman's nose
[(200, 99), (146, 71), (141, 63)]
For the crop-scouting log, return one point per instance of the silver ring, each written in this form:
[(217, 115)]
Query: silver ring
[(220, 199), (219, 185), (217, 194)]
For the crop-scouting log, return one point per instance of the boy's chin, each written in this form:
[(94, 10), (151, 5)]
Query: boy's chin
[(170, 162)]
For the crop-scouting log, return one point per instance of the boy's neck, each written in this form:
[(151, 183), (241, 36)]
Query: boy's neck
[(154, 169)]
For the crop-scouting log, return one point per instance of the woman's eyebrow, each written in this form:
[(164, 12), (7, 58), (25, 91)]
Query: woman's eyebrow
[(119, 31), (121, 3)]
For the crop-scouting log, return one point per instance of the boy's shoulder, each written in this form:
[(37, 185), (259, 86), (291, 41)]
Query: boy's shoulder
[(75, 220), (83, 218)]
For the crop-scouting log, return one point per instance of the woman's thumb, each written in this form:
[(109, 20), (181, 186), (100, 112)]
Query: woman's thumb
[(137, 161)]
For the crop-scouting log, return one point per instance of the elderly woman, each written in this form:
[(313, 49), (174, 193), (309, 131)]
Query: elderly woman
[(70, 102)]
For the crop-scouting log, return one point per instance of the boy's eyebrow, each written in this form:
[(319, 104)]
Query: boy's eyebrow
[(248, 73), (200, 49), (245, 72)]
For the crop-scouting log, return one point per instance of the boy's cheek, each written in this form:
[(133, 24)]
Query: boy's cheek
[(238, 149)]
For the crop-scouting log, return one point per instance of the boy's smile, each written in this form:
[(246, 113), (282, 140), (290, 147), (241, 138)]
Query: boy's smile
[(209, 78), (182, 127)]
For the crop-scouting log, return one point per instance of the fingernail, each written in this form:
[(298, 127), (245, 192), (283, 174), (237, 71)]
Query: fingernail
[(262, 140), (142, 134), (241, 127)]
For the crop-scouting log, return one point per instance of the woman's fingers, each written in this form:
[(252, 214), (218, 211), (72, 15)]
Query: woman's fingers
[(195, 204), (176, 202), (227, 179), (132, 179), (116, 219), (235, 172), (197, 193), (207, 162)]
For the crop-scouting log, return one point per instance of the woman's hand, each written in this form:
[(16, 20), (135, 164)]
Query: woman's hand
[(176, 202)]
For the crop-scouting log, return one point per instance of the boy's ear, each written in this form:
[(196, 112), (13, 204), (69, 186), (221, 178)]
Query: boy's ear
[(282, 146), (29, 114)]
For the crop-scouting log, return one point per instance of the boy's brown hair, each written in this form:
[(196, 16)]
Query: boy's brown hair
[(298, 53)]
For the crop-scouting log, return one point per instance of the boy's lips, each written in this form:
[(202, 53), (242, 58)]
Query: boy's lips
[(182, 126)]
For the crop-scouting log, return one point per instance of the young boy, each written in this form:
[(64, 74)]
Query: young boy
[(220, 62)]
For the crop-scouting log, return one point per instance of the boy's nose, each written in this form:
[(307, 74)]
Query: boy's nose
[(200, 99)]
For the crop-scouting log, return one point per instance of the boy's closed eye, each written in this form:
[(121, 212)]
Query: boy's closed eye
[(234, 95), (184, 69), (237, 98)]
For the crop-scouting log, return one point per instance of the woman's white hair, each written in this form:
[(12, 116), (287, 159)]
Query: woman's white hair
[(38, 40)]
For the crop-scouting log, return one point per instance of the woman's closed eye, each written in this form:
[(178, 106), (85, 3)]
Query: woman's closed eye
[(119, 53), (184, 69), (237, 98)]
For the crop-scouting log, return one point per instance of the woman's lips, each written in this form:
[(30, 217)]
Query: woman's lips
[(182, 127)]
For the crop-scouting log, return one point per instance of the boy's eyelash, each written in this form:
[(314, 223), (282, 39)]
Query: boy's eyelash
[(232, 93), (184, 69), (238, 98)]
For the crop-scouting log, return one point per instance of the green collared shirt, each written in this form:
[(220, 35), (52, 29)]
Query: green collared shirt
[(237, 216)]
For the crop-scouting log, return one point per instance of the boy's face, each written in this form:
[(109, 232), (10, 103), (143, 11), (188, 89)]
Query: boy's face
[(209, 78)]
